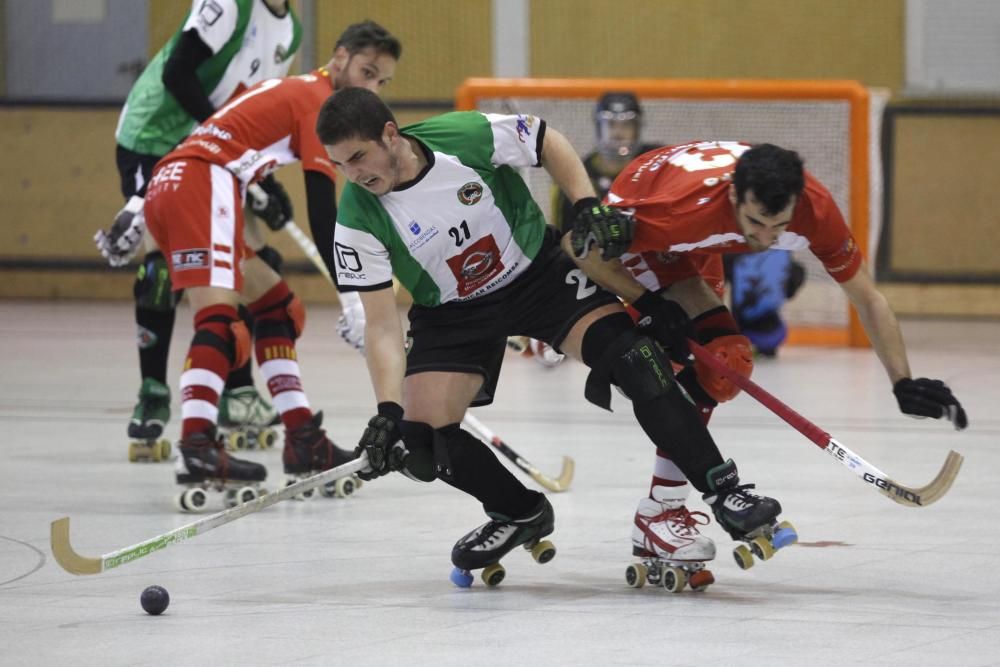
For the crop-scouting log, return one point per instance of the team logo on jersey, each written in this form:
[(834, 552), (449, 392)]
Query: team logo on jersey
[(524, 124), (280, 54), (470, 193), (414, 227), (209, 13), (349, 261), (477, 266)]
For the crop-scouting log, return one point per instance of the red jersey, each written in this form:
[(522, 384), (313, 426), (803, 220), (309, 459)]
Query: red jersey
[(680, 195), (271, 124)]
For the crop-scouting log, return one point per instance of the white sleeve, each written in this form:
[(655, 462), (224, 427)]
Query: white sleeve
[(214, 20), (362, 261), (517, 140)]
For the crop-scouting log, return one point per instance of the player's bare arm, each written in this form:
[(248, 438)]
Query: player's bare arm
[(385, 354), (562, 163), (879, 323)]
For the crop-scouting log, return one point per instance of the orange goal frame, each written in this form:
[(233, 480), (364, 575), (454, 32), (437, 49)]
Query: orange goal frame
[(852, 92)]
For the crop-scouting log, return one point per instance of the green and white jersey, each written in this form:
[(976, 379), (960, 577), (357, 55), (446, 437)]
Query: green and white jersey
[(467, 226), (249, 44)]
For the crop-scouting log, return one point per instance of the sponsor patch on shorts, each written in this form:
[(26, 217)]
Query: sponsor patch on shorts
[(193, 258)]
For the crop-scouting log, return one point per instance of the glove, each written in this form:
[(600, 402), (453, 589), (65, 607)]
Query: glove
[(383, 441), (665, 322), (607, 227), (275, 209), (351, 323), (119, 244), (924, 397)]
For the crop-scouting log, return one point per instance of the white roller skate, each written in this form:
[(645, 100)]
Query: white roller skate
[(245, 420), (145, 427), (486, 545), (204, 466), (746, 516), (665, 536)]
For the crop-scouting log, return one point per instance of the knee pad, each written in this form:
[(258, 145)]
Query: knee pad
[(634, 363), (285, 319), (241, 343), (733, 350), (419, 440), (153, 289), (271, 257), (297, 314), (217, 327)]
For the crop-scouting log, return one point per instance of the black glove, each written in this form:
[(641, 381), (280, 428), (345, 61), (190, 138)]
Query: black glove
[(607, 227), (276, 210), (665, 322), (924, 397), (383, 441)]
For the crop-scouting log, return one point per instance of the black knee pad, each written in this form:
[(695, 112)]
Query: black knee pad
[(271, 257), (636, 364), (153, 289), (419, 440)]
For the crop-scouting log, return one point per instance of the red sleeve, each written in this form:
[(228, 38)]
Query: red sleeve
[(830, 238), (304, 141)]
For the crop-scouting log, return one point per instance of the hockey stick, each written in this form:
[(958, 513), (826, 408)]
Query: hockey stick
[(557, 485), (303, 241), (74, 563), (904, 495), (470, 422)]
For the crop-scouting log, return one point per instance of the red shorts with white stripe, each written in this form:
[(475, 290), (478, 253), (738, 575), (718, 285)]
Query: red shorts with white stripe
[(194, 210), (659, 270)]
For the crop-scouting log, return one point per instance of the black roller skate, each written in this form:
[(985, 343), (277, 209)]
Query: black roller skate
[(309, 451), (746, 516), (245, 420), (485, 546), (204, 465), (149, 417)]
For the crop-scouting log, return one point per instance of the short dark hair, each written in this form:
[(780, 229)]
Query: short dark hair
[(774, 174), (353, 113), (360, 36)]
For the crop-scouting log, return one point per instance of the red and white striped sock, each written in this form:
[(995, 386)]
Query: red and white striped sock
[(206, 368)]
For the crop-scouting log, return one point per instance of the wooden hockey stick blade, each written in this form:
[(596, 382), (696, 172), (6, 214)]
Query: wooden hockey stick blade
[(904, 495), (75, 563), (557, 485)]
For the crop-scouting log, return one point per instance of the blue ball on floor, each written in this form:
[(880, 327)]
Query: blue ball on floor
[(154, 600)]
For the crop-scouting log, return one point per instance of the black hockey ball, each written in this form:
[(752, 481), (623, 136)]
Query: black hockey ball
[(154, 600)]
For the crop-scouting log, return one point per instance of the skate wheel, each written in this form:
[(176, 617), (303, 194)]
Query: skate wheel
[(461, 578), (154, 451), (133, 452), (235, 441), (345, 487), (358, 482), (193, 500), (743, 556), (266, 438), (761, 547), (785, 536), (164, 450), (543, 552), (247, 494), (674, 579), (493, 574), (700, 580), (635, 575)]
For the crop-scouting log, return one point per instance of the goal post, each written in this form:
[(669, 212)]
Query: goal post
[(828, 122)]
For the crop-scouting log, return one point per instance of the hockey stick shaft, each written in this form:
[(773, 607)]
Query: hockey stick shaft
[(556, 485), (76, 564), (303, 241), (904, 495)]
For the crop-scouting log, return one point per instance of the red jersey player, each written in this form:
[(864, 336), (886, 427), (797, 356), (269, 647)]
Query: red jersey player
[(690, 203), (194, 210)]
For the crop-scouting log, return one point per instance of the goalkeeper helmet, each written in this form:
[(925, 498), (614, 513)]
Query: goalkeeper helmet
[(618, 122)]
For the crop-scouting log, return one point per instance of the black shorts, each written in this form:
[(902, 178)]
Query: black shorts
[(471, 336), (134, 170)]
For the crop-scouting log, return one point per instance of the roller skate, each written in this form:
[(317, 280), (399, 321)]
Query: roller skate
[(205, 466), (308, 451), (485, 546), (245, 420), (673, 553), (149, 417), (746, 516)]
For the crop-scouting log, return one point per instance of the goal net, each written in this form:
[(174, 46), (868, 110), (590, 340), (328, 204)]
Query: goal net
[(834, 125)]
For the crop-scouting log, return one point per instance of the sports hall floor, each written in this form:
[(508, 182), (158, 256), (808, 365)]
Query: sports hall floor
[(364, 581)]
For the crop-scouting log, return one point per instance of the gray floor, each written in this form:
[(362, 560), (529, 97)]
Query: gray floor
[(365, 580)]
